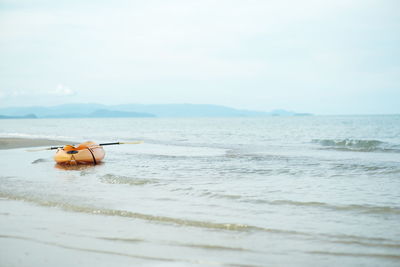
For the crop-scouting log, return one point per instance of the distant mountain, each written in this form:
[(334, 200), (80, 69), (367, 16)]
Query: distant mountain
[(91, 110), (101, 113), (53, 110), (27, 116), (190, 110), (104, 113)]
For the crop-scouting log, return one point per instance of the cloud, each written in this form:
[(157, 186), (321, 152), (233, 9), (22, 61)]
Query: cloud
[(14, 93), (62, 90)]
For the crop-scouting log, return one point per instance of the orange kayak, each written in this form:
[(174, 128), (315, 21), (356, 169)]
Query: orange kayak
[(85, 153)]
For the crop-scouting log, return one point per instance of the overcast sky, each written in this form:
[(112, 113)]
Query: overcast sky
[(318, 56)]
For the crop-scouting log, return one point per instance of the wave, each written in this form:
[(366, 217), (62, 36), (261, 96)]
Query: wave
[(210, 247), (357, 145), (36, 136), (161, 261), (357, 208), (362, 255), (119, 179), (365, 241), (148, 217), (188, 261), (371, 169), (367, 244), (367, 209), (210, 194), (91, 249), (351, 240), (120, 239)]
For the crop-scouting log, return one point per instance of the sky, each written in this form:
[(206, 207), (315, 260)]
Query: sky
[(322, 57)]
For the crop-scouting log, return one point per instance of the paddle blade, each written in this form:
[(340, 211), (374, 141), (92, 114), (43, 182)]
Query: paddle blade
[(42, 149), (38, 149), (132, 143)]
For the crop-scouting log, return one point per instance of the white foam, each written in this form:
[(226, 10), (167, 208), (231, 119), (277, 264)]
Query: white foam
[(35, 136)]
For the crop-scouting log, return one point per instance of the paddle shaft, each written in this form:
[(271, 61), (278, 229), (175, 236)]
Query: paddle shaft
[(109, 144), (104, 144)]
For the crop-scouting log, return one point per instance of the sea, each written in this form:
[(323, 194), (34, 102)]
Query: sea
[(273, 191)]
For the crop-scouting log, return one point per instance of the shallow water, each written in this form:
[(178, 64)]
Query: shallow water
[(284, 191)]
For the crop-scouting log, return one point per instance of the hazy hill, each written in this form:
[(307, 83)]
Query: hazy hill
[(190, 110), (91, 110), (105, 113), (27, 116)]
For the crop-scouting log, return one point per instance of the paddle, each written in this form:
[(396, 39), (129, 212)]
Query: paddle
[(104, 144)]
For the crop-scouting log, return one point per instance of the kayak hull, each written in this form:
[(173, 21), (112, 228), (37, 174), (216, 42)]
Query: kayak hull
[(85, 153)]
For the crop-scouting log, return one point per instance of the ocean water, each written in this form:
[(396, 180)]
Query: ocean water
[(276, 191)]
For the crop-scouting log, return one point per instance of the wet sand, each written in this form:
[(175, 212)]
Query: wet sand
[(9, 143)]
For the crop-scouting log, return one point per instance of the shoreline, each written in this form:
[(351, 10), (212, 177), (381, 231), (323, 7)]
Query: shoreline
[(16, 142)]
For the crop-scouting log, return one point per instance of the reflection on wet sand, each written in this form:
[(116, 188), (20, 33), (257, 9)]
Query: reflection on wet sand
[(76, 167)]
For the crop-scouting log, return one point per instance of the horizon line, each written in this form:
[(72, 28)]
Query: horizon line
[(208, 104)]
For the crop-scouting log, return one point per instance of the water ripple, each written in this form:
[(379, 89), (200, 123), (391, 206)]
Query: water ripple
[(357, 145), (369, 209), (119, 179), (148, 217)]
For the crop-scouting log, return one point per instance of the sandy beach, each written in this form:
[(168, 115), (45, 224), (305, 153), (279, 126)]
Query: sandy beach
[(9, 143)]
